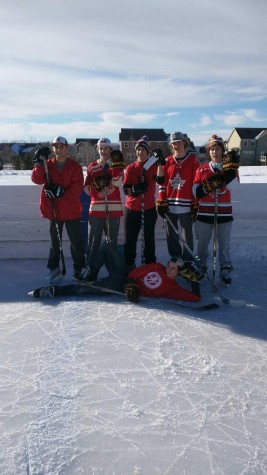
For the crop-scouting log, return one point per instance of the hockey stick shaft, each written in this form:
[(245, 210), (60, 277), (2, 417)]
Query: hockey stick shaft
[(159, 299), (56, 222), (143, 225), (215, 227), (108, 238)]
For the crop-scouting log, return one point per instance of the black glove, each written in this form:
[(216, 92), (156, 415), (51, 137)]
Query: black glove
[(159, 155), (127, 189), (139, 188), (132, 291), (40, 154), (162, 207), (100, 182), (213, 182), (231, 161), (117, 160), (54, 191)]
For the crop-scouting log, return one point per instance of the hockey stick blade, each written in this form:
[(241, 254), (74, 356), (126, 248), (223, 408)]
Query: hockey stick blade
[(225, 300), (163, 300), (231, 302), (150, 162)]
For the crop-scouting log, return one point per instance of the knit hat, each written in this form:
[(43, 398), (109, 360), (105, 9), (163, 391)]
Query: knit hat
[(60, 139), (144, 143), (104, 142), (216, 140), (177, 137)]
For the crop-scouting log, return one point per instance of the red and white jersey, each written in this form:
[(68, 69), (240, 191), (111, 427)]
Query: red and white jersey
[(132, 176), (152, 281), (177, 187), (98, 205), (206, 209)]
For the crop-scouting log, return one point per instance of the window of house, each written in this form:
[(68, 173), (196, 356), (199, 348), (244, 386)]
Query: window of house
[(245, 143), (159, 144), (248, 154), (126, 144)]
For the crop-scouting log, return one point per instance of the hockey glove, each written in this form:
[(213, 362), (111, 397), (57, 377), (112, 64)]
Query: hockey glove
[(54, 192), (139, 188), (194, 211), (213, 182), (131, 291), (117, 160), (159, 155), (231, 161), (189, 272), (127, 189), (162, 207), (100, 182), (40, 155)]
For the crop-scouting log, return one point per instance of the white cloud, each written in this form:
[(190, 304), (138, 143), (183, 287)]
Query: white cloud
[(238, 118), (93, 60)]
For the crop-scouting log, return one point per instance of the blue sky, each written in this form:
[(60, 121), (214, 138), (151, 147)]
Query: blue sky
[(88, 69)]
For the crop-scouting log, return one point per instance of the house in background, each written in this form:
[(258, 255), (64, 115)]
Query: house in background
[(261, 143), (251, 142), (128, 138), (202, 154), (85, 150)]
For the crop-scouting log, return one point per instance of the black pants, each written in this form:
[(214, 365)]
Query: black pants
[(132, 226), (116, 279), (73, 228)]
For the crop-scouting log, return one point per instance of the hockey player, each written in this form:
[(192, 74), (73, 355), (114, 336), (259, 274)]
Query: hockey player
[(175, 195), (60, 203), (102, 183), (139, 186), (210, 178), (151, 280)]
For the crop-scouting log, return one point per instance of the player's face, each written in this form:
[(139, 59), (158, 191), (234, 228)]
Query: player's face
[(216, 154), (171, 270), (141, 154), (60, 151), (104, 153), (178, 148)]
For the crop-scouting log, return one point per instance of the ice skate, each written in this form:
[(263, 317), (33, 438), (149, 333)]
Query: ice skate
[(225, 274), (43, 292)]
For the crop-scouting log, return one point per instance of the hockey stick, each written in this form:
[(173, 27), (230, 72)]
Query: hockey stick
[(225, 300), (143, 224), (151, 161), (214, 254), (108, 239), (63, 272), (163, 300)]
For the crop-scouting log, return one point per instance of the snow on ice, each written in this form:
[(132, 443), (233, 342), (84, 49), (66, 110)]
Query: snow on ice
[(101, 386)]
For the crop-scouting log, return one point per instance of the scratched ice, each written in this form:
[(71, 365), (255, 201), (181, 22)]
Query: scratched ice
[(101, 386)]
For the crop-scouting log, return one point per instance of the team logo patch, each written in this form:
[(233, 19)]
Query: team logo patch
[(152, 280), (177, 182)]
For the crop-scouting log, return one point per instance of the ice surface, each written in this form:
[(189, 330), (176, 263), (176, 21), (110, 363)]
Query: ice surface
[(101, 386)]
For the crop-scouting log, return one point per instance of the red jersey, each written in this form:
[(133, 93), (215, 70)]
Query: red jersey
[(206, 207), (153, 282), (70, 177), (97, 205), (132, 176), (177, 187)]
